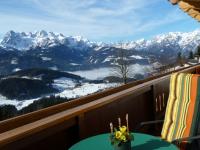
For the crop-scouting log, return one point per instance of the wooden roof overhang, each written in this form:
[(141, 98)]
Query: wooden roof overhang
[(191, 7)]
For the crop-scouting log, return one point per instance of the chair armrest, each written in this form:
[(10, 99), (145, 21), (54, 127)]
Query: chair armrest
[(151, 122), (148, 123), (186, 139)]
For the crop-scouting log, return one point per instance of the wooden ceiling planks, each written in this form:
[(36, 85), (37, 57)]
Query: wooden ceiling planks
[(191, 7)]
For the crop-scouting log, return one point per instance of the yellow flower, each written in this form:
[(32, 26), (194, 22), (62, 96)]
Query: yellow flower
[(123, 138), (123, 129), (118, 134)]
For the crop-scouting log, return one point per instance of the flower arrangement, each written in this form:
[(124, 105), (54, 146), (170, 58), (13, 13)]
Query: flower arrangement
[(120, 135)]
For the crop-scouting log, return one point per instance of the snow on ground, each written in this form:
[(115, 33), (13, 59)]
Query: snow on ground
[(108, 59), (85, 89), (18, 104), (46, 58), (192, 63), (23, 77), (162, 50), (82, 90), (64, 83), (136, 57), (16, 69), (179, 67), (75, 64), (31, 78), (14, 62), (98, 48), (157, 65), (53, 68)]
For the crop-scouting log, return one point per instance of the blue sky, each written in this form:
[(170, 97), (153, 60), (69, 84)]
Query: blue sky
[(98, 20)]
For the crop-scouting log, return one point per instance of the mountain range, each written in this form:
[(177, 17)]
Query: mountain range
[(43, 49)]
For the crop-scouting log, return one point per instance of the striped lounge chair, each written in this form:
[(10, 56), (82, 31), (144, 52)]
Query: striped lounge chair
[(183, 110)]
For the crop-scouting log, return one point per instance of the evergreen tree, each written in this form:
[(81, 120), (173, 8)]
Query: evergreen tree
[(198, 50), (191, 55), (7, 111), (180, 59), (179, 55)]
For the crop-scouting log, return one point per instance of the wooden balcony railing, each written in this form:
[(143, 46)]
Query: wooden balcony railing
[(60, 126)]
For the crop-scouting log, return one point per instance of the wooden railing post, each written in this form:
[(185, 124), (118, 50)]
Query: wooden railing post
[(81, 125), (153, 101)]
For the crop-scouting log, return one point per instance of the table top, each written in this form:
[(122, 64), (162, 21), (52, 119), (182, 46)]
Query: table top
[(141, 142)]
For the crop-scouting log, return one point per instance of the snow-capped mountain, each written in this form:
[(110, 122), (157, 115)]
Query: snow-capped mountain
[(26, 41), (187, 41), (20, 51)]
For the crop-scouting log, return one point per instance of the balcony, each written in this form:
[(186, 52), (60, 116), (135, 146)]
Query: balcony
[(60, 126)]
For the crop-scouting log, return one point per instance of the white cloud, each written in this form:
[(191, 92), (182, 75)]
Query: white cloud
[(171, 17), (94, 19)]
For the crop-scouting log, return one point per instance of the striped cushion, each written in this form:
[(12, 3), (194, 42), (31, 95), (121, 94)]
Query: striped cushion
[(181, 118)]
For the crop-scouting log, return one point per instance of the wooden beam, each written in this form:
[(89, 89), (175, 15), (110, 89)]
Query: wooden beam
[(174, 2), (190, 0), (192, 8), (184, 5), (193, 12)]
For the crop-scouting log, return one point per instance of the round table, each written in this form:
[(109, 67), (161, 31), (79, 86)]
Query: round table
[(141, 142)]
